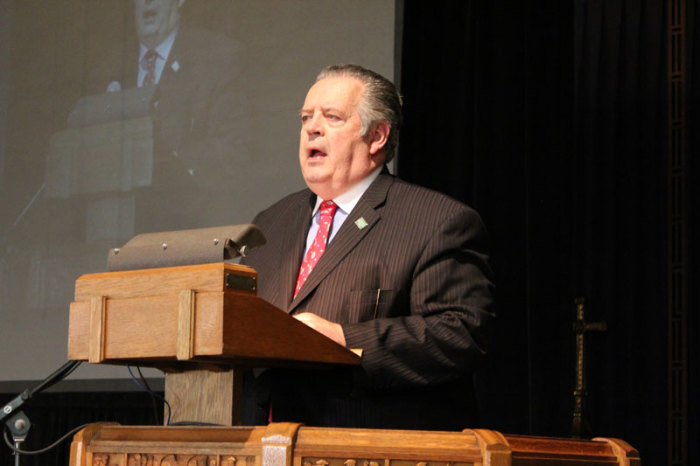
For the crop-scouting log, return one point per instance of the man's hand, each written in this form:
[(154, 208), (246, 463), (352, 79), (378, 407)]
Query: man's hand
[(330, 329)]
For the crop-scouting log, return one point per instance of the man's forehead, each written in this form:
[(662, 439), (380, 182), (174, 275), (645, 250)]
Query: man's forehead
[(159, 3), (333, 92)]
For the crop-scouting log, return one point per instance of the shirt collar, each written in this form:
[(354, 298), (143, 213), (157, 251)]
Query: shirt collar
[(347, 201), (163, 49)]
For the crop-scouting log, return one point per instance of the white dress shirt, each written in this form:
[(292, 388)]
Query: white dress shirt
[(345, 202), (163, 50)]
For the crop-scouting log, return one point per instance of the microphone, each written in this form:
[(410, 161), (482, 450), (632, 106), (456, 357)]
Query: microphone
[(19, 423)]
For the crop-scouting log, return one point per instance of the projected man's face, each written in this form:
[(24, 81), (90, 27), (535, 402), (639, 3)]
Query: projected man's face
[(333, 154), (155, 19)]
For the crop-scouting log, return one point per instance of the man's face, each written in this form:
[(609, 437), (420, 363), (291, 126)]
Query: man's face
[(332, 152), (155, 19)]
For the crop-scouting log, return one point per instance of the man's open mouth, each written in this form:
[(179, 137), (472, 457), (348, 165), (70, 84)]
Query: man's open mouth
[(149, 15)]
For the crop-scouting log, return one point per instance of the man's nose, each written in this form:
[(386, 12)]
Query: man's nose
[(313, 124)]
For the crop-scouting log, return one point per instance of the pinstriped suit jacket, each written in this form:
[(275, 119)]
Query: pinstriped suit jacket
[(407, 276)]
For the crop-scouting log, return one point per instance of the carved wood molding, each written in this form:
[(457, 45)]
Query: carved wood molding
[(289, 444)]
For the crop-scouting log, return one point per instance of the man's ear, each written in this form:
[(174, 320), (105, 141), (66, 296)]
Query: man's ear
[(378, 137)]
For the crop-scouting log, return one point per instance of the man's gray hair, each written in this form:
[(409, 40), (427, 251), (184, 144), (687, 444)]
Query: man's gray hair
[(380, 102)]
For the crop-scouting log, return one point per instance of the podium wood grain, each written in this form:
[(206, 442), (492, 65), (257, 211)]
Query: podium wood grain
[(204, 396)]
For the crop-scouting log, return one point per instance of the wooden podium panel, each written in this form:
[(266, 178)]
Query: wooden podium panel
[(108, 157), (288, 444), (179, 318)]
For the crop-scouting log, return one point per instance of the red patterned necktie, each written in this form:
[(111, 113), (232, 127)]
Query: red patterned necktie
[(319, 245), (148, 62)]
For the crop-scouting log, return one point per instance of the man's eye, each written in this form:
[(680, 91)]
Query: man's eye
[(333, 117), (305, 118)]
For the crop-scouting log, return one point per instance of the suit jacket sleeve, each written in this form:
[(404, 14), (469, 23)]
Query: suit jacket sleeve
[(443, 333)]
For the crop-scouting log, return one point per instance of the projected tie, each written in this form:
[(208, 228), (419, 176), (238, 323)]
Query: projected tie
[(148, 62), (319, 245)]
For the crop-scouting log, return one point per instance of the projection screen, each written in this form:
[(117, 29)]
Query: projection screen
[(88, 158)]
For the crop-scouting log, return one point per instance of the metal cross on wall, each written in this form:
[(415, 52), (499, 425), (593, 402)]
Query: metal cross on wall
[(580, 428)]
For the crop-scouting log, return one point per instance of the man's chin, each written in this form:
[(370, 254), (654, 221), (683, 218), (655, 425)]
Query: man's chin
[(315, 168), (148, 38), (316, 180), (312, 178)]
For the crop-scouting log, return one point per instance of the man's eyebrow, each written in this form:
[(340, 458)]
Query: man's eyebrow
[(323, 109)]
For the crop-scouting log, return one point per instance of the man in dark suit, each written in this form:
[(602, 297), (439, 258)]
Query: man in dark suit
[(403, 273), (199, 111)]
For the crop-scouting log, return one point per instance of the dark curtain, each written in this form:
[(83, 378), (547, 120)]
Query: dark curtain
[(549, 117), (619, 172), (54, 414), (693, 206), (489, 101)]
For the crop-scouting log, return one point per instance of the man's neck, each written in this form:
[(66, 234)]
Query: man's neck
[(347, 200), (151, 42)]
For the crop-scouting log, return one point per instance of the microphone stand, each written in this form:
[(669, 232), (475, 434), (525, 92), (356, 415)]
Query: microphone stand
[(18, 423)]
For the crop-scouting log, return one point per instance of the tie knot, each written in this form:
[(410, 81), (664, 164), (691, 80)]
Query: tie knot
[(149, 59), (328, 208)]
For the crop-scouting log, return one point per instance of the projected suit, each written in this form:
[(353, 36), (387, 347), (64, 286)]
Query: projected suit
[(200, 131), (200, 143), (405, 278), (198, 108)]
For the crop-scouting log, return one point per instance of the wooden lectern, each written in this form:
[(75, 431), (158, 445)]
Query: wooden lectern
[(288, 444), (200, 324)]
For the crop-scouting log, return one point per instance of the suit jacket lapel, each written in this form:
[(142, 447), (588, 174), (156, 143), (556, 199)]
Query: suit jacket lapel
[(351, 232), (294, 244), (174, 73)]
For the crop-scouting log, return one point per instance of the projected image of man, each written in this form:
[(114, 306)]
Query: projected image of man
[(200, 133)]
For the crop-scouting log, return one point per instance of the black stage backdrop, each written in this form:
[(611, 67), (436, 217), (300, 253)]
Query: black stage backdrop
[(54, 414), (549, 117)]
